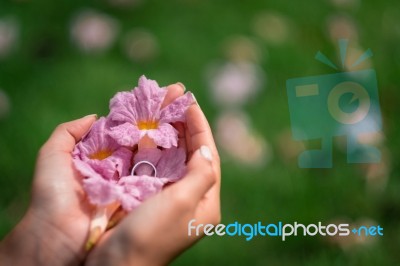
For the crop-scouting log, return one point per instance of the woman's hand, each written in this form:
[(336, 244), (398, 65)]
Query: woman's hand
[(157, 231), (55, 227)]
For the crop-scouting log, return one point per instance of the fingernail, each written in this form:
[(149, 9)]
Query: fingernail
[(206, 153), (92, 115), (181, 84), (194, 98)]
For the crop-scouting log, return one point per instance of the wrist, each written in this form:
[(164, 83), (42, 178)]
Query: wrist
[(120, 249), (36, 242)]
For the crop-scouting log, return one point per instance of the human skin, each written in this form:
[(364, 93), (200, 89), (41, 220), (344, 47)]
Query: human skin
[(55, 227)]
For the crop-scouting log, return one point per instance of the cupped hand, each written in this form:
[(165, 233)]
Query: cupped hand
[(55, 227), (157, 231)]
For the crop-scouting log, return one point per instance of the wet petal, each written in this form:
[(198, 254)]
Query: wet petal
[(128, 202), (122, 107), (171, 165), (165, 136), (175, 111), (96, 140), (149, 155), (150, 96), (137, 189), (100, 191), (85, 169), (114, 166), (125, 134)]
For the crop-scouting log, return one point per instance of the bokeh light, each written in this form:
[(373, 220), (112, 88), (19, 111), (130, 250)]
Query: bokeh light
[(140, 45), (236, 137), (235, 83), (92, 31), (272, 27), (9, 32)]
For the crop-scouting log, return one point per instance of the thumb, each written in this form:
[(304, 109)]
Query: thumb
[(199, 178), (66, 135)]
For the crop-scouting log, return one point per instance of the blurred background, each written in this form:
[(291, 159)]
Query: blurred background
[(60, 60)]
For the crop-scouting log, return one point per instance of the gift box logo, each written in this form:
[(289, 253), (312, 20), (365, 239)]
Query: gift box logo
[(340, 104)]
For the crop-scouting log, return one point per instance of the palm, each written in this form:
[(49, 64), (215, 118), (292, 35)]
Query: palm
[(148, 230), (58, 200)]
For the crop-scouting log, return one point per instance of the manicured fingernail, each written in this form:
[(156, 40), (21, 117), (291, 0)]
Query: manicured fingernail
[(181, 84), (194, 98), (206, 153)]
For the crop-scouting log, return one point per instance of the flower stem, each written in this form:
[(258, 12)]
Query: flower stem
[(99, 223), (116, 218)]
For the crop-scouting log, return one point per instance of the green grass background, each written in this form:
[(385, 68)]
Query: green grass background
[(49, 81)]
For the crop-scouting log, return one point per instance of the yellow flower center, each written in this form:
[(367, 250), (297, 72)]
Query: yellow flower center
[(101, 154), (147, 125)]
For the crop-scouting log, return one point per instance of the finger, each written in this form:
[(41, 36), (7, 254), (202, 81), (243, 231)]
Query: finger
[(199, 179), (189, 148), (173, 91), (181, 135), (199, 131), (66, 135)]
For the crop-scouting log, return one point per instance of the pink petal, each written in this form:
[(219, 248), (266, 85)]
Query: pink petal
[(141, 187), (96, 139), (123, 160), (165, 136), (149, 97), (149, 155), (115, 166), (122, 107), (105, 168), (84, 169), (126, 134), (171, 165), (136, 189), (129, 202), (175, 111), (142, 104), (101, 192)]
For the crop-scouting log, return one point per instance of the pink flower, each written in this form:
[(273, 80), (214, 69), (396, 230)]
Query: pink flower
[(154, 169), (139, 113), (102, 161)]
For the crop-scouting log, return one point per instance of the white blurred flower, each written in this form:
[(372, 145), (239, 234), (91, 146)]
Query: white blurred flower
[(377, 174), (348, 243), (92, 31), (5, 105), (342, 27), (273, 27), (242, 49), (235, 136), (8, 35), (235, 83), (140, 45)]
